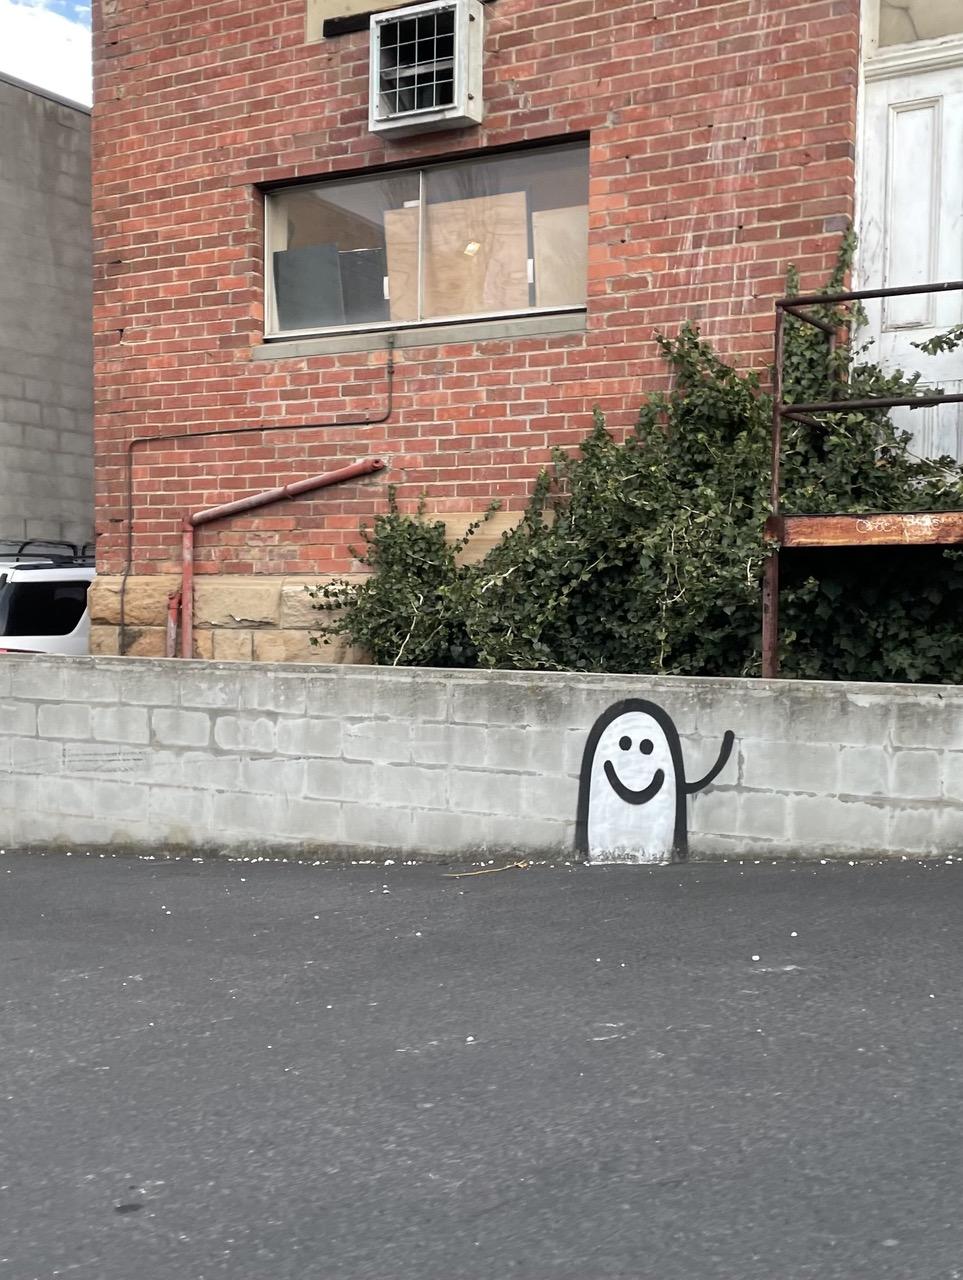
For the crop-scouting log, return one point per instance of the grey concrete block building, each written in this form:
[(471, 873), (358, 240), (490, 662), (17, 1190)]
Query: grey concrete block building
[(46, 342)]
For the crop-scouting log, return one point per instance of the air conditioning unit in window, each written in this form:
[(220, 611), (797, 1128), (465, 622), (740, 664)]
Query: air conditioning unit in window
[(426, 68)]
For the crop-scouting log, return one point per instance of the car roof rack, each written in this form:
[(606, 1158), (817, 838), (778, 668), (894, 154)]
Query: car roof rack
[(46, 553), (20, 545)]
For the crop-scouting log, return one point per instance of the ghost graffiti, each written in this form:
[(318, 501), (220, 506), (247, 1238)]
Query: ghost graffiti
[(633, 793)]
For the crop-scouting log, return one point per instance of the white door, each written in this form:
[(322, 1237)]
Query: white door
[(911, 232)]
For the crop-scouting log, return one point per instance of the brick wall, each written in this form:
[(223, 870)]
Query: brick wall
[(722, 139)]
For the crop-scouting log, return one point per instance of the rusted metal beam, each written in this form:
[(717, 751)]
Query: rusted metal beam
[(860, 295), (775, 485), (804, 420), (815, 321), (875, 402), (890, 529), (770, 616)]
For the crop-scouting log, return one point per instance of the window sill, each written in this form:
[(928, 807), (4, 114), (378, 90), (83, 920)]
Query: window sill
[(434, 335)]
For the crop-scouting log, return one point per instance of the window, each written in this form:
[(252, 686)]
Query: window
[(501, 236), (416, 70), (426, 68), (906, 21), (41, 608)]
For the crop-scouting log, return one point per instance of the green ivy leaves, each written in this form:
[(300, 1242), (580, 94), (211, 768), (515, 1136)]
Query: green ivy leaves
[(645, 554)]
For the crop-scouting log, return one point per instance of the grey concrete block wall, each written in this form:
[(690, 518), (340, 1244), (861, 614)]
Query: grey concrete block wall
[(377, 762), (46, 323)]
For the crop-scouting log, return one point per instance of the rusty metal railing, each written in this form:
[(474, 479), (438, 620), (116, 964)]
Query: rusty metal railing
[(799, 309)]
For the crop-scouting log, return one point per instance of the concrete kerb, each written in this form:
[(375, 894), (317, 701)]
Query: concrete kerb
[(307, 854)]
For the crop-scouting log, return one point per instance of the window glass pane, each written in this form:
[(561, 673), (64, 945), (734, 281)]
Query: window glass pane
[(327, 258), (905, 21), (506, 234), (480, 237), (41, 608)]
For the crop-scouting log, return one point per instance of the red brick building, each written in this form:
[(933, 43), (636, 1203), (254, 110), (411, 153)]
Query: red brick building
[(260, 252)]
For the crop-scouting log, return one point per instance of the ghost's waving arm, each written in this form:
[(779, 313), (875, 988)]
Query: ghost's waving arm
[(725, 751)]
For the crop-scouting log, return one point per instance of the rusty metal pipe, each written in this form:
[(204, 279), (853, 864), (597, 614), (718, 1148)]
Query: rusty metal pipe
[(173, 611), (191, 521), (187, 588), (264, 428), (251, 503)]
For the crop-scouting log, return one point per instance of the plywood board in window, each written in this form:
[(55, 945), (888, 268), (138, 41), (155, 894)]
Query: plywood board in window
[(560, 239), (475, 257), (401, 241)]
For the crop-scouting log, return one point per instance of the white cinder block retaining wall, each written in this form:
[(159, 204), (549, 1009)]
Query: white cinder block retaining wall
[(363, 761)]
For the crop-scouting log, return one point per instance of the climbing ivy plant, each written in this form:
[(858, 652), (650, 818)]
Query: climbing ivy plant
[(645, 554)]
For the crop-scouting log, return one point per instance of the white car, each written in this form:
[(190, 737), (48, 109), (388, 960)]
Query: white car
[(43, 603)]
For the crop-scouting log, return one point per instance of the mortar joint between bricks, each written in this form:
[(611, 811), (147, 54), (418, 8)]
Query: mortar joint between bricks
[(873, 801)]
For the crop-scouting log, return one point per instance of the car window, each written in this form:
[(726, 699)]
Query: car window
[(41, 608)]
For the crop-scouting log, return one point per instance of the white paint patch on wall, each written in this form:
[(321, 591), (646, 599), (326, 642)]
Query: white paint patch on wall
[(633, 793)]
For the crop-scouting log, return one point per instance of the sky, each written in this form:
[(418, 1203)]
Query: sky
[(47, 43)]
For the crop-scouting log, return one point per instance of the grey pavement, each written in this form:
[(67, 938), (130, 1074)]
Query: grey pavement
[(266, 1071)]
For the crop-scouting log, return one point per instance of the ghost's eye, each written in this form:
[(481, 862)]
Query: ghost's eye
[(645, 746), (625, 743)]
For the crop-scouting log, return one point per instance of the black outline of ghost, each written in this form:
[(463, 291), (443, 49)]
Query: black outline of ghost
[(684, 789)]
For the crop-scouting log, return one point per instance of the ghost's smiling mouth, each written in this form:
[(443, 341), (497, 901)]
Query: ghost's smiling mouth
[(626, 793)]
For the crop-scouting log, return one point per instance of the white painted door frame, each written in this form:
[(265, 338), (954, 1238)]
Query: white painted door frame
[(911, 232)]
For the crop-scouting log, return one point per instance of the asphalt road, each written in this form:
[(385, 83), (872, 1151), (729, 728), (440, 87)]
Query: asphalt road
[(271, 1071)]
